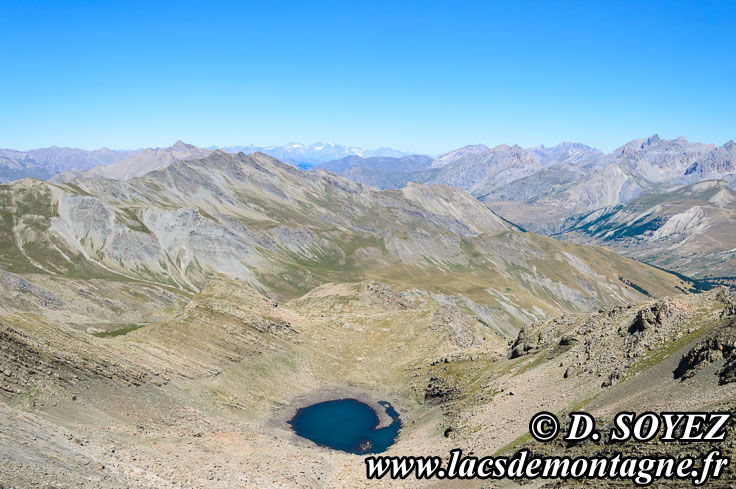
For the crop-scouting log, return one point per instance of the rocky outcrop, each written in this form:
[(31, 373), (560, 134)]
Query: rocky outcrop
[(27, 365), (659, 315), (720, 345), (652, 326), (11, 283), (727, 373), (271, 325), (440, 390), (606, 344), (536, 337), (458, 327), (523, 345), (727, 297), (380, 293)]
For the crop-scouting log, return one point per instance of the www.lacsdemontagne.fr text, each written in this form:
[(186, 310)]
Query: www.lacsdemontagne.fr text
[(641, 471)]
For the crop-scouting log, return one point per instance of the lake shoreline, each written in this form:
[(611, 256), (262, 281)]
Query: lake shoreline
[(285, 413)]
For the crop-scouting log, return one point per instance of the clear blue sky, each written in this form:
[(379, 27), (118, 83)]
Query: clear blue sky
[(420, 76)]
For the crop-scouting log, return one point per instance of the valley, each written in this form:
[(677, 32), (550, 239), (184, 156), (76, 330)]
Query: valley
[(202, 397)]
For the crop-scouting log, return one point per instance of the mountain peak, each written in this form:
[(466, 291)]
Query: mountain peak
[(179, 144), (651, 140), (456, 154), (470, 148)]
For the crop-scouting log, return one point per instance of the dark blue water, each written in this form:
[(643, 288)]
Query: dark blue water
[(346, 424)]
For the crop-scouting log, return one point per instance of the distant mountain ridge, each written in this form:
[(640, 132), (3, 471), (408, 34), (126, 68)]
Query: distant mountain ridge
[(46, 162), (64, 164), (576, 192), (583, 177), (567, 153), (539, 188), (378, 171), (719, 162), (475, 168), (480, 172), (543, 201), (139, 163), (465, 151), (314, 154), (658, 159)]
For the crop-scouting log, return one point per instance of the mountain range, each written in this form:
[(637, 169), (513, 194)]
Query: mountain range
[(544, 200), (380, 171), (503, 172), (46, 163), (138, 163), (313, 154), (553, 190), (285, 231), (544, 189)]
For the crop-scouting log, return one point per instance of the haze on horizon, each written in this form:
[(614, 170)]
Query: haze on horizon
[(422, 77)]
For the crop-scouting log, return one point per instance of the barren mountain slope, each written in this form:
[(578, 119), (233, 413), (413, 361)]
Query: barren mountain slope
[(546, 210), (689, 230), (380, 171), (719, 163), (45, 162), (138, 164), (481, 172), (202, 398), (286, 231)]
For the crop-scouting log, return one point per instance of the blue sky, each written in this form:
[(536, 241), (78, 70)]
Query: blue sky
[(420, 76)]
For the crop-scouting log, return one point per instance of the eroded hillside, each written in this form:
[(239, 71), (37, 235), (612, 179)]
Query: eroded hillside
[(689, 230)]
